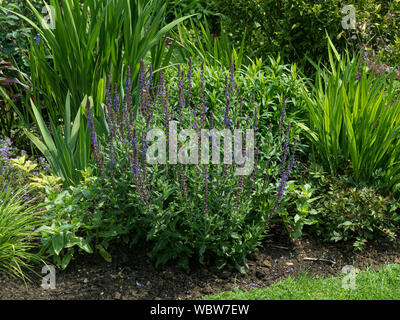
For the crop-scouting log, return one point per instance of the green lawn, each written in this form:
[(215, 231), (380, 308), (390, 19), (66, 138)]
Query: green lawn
[(369, 285)]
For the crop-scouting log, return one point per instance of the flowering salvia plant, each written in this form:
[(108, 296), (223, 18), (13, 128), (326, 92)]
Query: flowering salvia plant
[(197, 173)]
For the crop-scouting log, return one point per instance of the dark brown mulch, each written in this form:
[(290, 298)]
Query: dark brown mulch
[(132, 275)]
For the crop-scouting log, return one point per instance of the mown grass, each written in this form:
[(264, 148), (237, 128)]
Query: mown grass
[(369, 285)]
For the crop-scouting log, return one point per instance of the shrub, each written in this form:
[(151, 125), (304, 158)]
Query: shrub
[(293, 28), (296, 28), (354, 212), (184, 211), (86, 217), (187, 210), (229, 213)]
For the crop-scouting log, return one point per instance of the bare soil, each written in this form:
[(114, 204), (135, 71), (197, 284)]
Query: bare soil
[(132, 276)]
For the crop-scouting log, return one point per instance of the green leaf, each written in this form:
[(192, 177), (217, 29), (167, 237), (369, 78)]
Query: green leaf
[(84, 245), (66, 260), (240, 268), (58, 243), (87, 194), (106, 256)]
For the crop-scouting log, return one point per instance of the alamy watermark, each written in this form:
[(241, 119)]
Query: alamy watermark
[(195, 149), (349, 20), (349, 280), (49, 281), (49, 17)]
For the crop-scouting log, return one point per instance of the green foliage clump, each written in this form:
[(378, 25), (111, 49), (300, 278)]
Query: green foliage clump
[(20, 211), (85, 217), (95, 37), (298, 208), (184, 211), (357, 213), (18, 220), (66, 149), (197, 41), (353, 119)]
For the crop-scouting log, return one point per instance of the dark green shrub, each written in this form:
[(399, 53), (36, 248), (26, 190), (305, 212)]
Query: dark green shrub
[(357, 213), (292, 28), (297, 28)]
